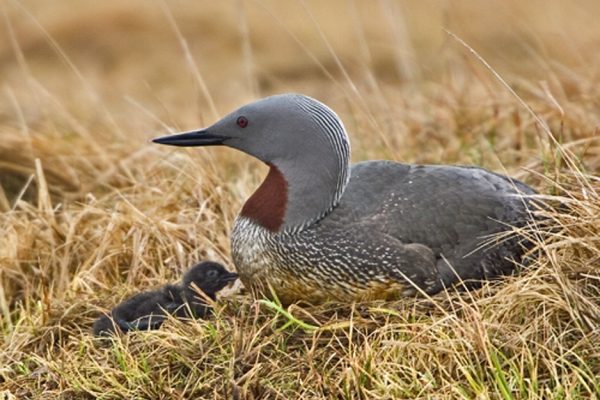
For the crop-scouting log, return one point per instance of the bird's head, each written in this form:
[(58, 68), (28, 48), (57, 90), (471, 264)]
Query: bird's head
[(273, 129), (301, 139), (209, 276)]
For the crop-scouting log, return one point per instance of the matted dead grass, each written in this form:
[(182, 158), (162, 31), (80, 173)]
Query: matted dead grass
[(91, 212)]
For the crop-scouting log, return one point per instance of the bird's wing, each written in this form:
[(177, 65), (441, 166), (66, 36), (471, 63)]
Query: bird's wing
[(149, 304), (454, 211), (363, 251)]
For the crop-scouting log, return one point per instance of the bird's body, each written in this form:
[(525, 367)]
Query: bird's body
[(149, 309), (318, 228), (146, 310), (441, 226)]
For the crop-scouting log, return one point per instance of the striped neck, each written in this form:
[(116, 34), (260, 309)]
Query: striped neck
[(338, 144)]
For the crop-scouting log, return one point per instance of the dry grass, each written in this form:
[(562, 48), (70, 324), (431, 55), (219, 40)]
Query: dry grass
[(90, 212)]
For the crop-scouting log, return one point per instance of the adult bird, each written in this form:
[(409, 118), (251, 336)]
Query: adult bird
[(318, 228)]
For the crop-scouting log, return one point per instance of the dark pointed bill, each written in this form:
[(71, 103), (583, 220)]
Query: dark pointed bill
[(230, 277), (191, 138)]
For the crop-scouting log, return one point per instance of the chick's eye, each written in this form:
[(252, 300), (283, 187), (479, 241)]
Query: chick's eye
[(242, 122), (211, 274)]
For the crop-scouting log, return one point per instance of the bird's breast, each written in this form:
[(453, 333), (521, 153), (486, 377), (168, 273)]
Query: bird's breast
[(251, 250)]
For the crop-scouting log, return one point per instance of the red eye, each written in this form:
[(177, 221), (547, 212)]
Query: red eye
[(242, 122)]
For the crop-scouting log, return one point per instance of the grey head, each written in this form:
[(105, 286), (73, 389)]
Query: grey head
[(302, 140), (209, 276)]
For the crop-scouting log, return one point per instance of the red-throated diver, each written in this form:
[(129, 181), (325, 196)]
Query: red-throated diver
[(318, 228)]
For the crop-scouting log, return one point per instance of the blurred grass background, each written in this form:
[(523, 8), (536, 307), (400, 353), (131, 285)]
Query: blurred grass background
[(92, 212), (123, 67)]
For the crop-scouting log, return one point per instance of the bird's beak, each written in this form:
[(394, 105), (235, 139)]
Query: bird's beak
[(192, 138), (230, 277)]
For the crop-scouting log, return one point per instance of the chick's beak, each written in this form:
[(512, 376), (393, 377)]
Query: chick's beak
[(230, 277)]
